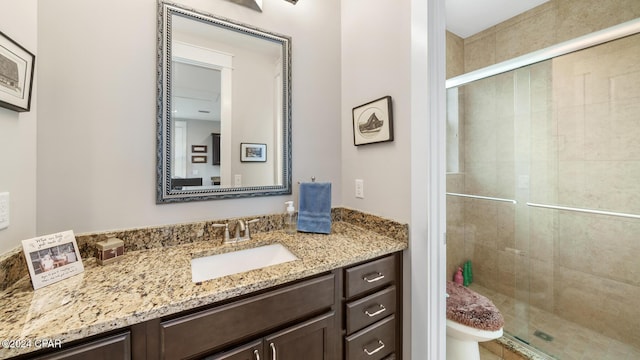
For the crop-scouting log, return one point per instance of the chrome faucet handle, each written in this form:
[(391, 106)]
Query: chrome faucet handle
[(226, 230), (247, 232)]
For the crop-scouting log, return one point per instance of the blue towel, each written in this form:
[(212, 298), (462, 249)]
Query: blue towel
[(314, 212)]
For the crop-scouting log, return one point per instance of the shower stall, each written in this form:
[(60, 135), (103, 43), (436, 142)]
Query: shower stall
[(543, 194)]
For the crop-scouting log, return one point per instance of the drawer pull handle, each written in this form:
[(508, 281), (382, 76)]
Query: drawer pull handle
[(380, 311), (257, 354), (374, 350), (378, 277), (273, 351)]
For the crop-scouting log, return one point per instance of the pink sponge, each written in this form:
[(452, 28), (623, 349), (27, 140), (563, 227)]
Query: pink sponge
[(469, 308)]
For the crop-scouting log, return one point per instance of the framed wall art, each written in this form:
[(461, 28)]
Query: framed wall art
[(16, 75), (373, 122), (253, 152), (199, 148), (198, 159)]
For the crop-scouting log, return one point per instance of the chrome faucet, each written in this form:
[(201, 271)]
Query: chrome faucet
[(243, 231)]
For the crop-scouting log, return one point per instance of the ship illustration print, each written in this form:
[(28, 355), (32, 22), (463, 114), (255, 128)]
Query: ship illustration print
[(372, 125), (9, 77)]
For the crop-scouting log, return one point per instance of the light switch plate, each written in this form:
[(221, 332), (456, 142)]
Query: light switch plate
[(4, 210), (360, 188)]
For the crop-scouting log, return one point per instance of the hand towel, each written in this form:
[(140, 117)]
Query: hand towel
[(314, 208)]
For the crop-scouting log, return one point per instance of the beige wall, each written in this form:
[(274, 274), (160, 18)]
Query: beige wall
[(376, 63), (573, 143), (96, 135), (18, 132)]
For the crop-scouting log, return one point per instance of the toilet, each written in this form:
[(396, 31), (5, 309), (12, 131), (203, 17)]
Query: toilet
[(471, 318)]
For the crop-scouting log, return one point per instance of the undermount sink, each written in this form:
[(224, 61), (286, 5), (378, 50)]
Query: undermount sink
[(215, 266)]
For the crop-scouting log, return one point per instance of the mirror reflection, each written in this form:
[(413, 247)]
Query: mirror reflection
[(224, 123)]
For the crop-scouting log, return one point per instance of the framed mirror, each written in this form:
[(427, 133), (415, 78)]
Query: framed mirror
[(221, 85)]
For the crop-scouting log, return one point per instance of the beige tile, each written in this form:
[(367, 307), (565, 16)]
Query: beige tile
[(525, 36), (455, 55), (481, 223), (510, 355), (479, 50), (492, 346), (485, 354), (541, 285), (580, 17)]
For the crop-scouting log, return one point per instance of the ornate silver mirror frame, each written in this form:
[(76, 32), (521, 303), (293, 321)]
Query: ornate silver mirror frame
[(281, 185)]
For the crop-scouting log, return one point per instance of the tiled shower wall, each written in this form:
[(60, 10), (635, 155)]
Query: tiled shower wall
[(573, 142)]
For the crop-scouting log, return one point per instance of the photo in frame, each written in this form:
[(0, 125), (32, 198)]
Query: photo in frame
[(373, 122), (198, 148), (16, 75), (198, 159), (52, 258), (250, 152)]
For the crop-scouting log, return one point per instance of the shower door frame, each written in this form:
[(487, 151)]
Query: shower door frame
[(616, 32), (583, 42)]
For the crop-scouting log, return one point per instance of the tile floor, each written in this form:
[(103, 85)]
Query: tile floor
[(571, 341)]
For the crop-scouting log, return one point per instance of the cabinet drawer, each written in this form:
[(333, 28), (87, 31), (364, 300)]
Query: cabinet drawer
[(212, 329), (366, 311), (372, 343), (369, 276)]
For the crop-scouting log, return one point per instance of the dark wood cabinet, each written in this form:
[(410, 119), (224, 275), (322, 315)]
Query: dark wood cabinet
[(251, 351), (215, 155), (373, 326), (307, 340), (219, 327), (108, 348), (350, 313)]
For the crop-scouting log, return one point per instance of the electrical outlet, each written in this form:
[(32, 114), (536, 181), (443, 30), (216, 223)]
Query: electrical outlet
[(4, 210), (238, 180), (360, 188)]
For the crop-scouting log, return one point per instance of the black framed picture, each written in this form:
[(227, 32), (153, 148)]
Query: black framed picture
[(198, 159), (250, 152), (16, 75), (373, 122)]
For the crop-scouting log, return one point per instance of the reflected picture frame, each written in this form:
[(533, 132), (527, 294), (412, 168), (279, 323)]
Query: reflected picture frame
[(16, 75), (252, 152), (198, 159), (373, 122), (198, 148)]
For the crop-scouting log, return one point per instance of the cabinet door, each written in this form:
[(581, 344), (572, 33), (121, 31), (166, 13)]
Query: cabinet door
[(252, 351), (215, 153), (310, 340), (110, 348)]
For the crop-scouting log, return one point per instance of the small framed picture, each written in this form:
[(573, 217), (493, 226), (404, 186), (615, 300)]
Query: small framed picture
[(52, 258), (198, 159), (199, 148), (16, 75), (373, 122), (253, 152)]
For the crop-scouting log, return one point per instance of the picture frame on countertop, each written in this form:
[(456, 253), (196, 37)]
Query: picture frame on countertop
[(52, 258), (16, 75), (373, 122)]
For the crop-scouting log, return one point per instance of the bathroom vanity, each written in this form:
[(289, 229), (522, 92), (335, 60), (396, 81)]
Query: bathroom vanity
[(340, 300)]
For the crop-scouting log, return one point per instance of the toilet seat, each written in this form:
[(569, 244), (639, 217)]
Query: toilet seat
[(471, 318)]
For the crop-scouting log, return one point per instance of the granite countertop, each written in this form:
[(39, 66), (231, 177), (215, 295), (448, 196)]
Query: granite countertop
[(149, 284)]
